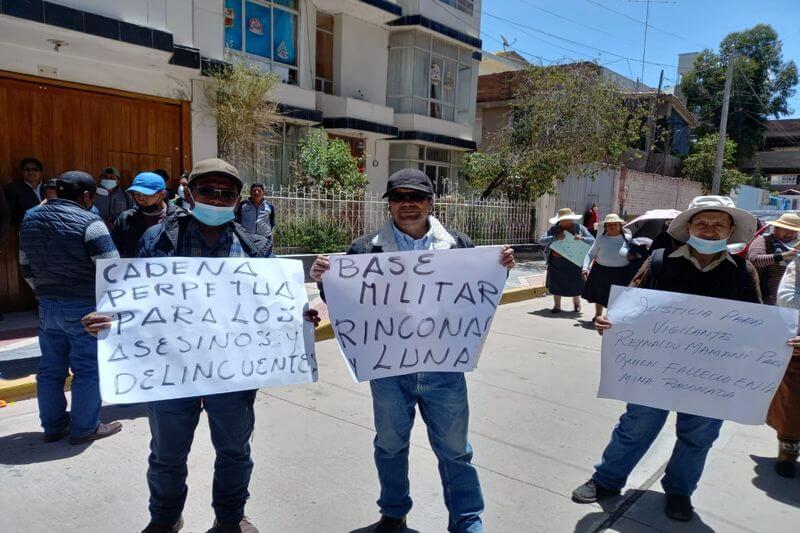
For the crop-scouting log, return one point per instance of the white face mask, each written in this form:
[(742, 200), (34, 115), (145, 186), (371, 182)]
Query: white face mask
[(108, 184)]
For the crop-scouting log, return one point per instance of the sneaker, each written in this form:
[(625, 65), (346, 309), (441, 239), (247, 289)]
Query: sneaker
[(679, 507), (787, 469), (244, 526), (591, 491), (152, 527), (389, 524), (55, 437), (102, 431)]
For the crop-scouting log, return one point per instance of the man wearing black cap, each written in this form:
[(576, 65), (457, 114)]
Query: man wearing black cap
[(60, 242), (23, 194), (207, 229), (441, 395)]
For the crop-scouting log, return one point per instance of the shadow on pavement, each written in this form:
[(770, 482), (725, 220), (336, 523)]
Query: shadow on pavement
[(617, 516), (547, 313), (370, 528), (28, 448), (18, 368), (776, 487), (585, 324)]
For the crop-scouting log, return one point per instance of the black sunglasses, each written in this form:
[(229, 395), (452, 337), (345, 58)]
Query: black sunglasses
[(210, 192), (417, 196)]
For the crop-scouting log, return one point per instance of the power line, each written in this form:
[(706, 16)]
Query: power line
[(526, 2)]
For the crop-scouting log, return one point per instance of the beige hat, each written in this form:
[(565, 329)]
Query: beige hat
[(206, 167), (613, 218), (744, 222), (565, 214), (790, 221)]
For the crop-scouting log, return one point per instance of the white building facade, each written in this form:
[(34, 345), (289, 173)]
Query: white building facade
[(396, 79)]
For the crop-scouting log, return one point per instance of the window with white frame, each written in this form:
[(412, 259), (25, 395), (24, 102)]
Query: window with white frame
[(273, 158), (430, 76), (465, 6), (264, 31), (783, 179), (440, 164)]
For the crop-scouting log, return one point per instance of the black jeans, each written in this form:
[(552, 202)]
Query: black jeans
[(172, 424)]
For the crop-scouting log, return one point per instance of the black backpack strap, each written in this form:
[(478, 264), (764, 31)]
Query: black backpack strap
[(656, 268)]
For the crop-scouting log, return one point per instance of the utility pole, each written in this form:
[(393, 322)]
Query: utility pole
[(723, 126)]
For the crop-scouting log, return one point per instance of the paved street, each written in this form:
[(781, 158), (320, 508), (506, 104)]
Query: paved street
[(536, 429)]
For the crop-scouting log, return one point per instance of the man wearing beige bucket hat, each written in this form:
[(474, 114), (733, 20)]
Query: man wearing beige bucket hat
[(770, 254), (701, 267)]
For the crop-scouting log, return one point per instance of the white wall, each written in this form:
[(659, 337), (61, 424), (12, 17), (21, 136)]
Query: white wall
[(204, 128), (361, 59), (378, 175)]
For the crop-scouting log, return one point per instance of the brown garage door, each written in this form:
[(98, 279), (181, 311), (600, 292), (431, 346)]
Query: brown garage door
[(73, 127)]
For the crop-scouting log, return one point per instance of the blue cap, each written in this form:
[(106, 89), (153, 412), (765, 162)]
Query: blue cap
[(147, 183)]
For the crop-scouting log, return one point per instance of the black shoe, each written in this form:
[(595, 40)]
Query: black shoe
[(555, 310), (388, 524), (152, 527), (679, 507), (102, 431), (787, 469), (55, 437), (244, 526), (591, 491)]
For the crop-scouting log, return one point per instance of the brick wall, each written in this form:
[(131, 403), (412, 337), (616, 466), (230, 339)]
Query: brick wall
[(496, 87), (643, 192)]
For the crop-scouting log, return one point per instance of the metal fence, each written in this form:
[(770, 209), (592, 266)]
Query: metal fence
[(492, 221)]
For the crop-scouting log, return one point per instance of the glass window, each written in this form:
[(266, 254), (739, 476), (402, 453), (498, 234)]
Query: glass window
[(265, 31), (324, 78), (274, 158), (431, 72), (441, 165), (465, 6)]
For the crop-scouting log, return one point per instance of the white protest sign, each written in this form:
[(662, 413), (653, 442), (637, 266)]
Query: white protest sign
[(404, 312), (198, 326), (705, 356)]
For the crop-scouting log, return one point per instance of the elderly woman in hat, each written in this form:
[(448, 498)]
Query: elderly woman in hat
[(770, 254), (607, 263), (563, 276)]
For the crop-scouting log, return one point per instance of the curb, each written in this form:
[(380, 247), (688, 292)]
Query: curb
[(25, 388)]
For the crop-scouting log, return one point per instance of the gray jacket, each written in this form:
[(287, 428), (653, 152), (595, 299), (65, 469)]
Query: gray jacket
[(112, 204)]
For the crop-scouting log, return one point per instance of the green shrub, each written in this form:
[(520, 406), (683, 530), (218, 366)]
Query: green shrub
[(311, 236)]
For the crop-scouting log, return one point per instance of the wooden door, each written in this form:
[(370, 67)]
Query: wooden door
[(74, 127)]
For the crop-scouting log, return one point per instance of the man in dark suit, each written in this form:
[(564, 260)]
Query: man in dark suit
[(28, 192)]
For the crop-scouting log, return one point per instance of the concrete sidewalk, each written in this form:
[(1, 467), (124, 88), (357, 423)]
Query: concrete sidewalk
[(536, 428)]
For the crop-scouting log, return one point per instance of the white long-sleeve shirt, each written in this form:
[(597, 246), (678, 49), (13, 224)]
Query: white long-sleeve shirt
[(608, 251), (787, 289)]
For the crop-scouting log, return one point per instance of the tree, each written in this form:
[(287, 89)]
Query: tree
[(564, 120), (326, 162), (762, 86), (758, 179), (239, 99), (699, 164)]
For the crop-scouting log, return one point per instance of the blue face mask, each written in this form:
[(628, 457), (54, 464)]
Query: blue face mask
[(706, 247), (212, 215)]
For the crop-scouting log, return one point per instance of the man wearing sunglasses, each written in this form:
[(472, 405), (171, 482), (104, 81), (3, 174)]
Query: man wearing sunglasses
[(207, 229), (441, 395)]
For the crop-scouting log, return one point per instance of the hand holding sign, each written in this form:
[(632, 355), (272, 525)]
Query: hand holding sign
[(398, 313), (179, 327), (705, 356)]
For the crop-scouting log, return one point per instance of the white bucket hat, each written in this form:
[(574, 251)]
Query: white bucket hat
[(565, 214), (745, 224)]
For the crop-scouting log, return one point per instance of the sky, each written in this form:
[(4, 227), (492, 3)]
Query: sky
[(612, 31)]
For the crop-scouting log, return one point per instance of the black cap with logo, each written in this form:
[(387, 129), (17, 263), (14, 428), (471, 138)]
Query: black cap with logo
[(409, 178)]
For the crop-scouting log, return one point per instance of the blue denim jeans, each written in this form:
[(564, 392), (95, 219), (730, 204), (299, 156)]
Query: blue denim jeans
[(442, 400), (172, 423), (64, 346), (638, 427)]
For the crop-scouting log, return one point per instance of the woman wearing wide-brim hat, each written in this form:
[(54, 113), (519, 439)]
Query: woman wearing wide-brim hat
[(771, 254), (608, 262), (784, 411), (563, 276)]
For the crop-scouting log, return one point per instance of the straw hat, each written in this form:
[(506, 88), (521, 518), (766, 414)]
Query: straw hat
[(613, 218), (790, 221), (744, 222), (565, 214)]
